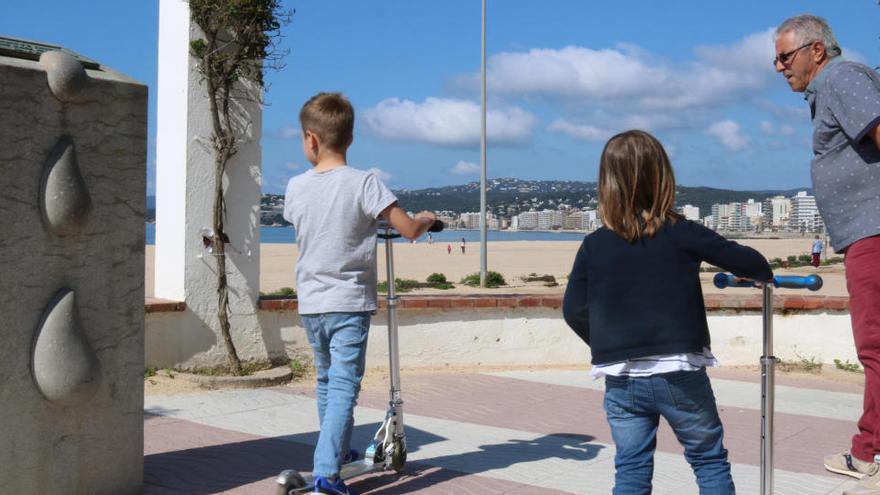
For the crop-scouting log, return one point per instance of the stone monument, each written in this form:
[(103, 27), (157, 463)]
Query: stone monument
[(72, 193)]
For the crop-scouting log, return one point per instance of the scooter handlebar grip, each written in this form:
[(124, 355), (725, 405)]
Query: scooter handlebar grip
[(811, 282), (437, 226), (725, 280)]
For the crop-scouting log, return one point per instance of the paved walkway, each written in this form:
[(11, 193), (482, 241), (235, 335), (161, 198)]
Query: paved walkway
[(511, 432)]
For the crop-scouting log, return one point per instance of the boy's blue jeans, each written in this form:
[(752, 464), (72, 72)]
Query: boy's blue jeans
[(339, 342), (634, 406)]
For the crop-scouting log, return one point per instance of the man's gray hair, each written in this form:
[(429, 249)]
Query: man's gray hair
[(808, 28)]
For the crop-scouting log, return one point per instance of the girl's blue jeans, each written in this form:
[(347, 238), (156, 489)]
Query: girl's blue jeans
[(339, 342), (634, 406)]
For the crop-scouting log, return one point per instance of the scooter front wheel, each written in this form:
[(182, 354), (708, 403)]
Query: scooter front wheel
[(398, 456), (289, 482)]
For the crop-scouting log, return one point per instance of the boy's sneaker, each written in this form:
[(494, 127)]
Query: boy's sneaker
[(845, 463), (870, 485), (323, 485)]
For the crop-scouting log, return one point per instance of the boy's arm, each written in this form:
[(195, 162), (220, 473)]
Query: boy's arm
[(407, 226), (575, 306)]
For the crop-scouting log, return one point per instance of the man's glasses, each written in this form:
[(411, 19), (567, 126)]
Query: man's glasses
[(786, 57)]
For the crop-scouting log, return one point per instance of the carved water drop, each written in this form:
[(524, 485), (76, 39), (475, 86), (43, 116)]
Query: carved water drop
[(64, 366), (64, 199)]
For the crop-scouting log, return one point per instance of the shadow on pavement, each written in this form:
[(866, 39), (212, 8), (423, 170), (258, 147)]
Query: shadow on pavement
[(429, 472)]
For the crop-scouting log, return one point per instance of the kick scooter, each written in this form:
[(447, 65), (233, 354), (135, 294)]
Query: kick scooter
[(768, 360), (387, 451)]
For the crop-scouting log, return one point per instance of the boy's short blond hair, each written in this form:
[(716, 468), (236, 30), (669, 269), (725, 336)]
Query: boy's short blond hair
[(331, 117)]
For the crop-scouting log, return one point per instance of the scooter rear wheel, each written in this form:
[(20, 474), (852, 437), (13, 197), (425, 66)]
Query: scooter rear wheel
[(292, 483)]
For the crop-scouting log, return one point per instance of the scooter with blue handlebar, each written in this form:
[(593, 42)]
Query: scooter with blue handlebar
[(768, 361)]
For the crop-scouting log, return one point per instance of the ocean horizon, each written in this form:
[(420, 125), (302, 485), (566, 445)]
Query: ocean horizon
[(287, 235)]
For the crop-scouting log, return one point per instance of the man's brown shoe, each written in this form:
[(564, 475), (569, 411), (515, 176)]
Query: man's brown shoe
[(845, 463)]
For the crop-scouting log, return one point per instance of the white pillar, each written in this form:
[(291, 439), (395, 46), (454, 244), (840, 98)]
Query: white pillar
[(184, 270)]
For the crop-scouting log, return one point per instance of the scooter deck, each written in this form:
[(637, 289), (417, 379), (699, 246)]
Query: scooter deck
[(347, 471)]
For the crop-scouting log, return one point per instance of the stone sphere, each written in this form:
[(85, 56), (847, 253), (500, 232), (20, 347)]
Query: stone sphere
[(67, 76)]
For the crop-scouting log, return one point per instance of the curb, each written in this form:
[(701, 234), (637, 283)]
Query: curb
[(260, 379)]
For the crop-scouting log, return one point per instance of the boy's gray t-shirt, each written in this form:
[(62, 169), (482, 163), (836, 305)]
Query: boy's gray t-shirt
[(335, 216)]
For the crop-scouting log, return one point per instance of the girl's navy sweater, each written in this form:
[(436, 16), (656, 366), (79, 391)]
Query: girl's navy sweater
[(643, 298)]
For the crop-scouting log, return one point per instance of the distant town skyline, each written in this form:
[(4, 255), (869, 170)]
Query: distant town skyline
[(562, 79)]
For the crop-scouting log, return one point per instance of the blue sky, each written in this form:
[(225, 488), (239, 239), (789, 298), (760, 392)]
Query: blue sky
[(563, 77)]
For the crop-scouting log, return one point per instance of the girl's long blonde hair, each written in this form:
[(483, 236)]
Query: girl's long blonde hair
[(636, 185)]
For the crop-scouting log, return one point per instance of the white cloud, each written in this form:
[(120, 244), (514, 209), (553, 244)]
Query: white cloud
[(728, 133), (448, 122), (798, 114), (601, 125), (771, 130), (380, 174), (292, 166), (629, 76), (580, 131), (290, 132), (465, 168)]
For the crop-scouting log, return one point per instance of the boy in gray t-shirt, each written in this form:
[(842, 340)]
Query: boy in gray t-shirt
[(335, 210)]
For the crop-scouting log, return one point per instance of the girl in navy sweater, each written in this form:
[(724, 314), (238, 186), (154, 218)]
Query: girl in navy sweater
[(634, 297)]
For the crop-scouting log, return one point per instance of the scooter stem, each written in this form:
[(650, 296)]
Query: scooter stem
[(396, 400), (768, 368)]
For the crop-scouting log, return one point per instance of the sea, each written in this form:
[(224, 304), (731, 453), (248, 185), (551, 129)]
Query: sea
[(287, 235)]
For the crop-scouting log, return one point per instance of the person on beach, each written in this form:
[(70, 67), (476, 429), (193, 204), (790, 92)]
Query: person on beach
[(449, 249), (462, 245), (634, 297), (335, 209), (816, 252), (844, 100)]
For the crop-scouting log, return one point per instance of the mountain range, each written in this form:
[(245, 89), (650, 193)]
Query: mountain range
[(510, 196)]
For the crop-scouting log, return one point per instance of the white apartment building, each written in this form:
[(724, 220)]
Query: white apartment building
[(777, 211), (735, 217), (710, 222), (471, 220), (550, 219), (804, 213), (691, 212), (587, 220), (527, 220)]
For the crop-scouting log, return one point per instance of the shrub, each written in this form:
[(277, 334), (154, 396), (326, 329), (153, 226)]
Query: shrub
[(284, 291), (847, 366), (806, 258), (300, 365), (438, 281), (400, 285), (493, 279)]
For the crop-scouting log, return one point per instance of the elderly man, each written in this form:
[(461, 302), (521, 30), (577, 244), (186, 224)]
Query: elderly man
[(844, 100)]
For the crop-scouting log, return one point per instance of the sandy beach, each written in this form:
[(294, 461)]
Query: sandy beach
[(513, 259)]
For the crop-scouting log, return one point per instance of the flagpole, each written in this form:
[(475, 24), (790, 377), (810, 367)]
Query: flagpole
[(483, 220)]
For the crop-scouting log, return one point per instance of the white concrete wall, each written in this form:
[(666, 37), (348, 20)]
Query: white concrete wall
[(515, 337), (185, 200)]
